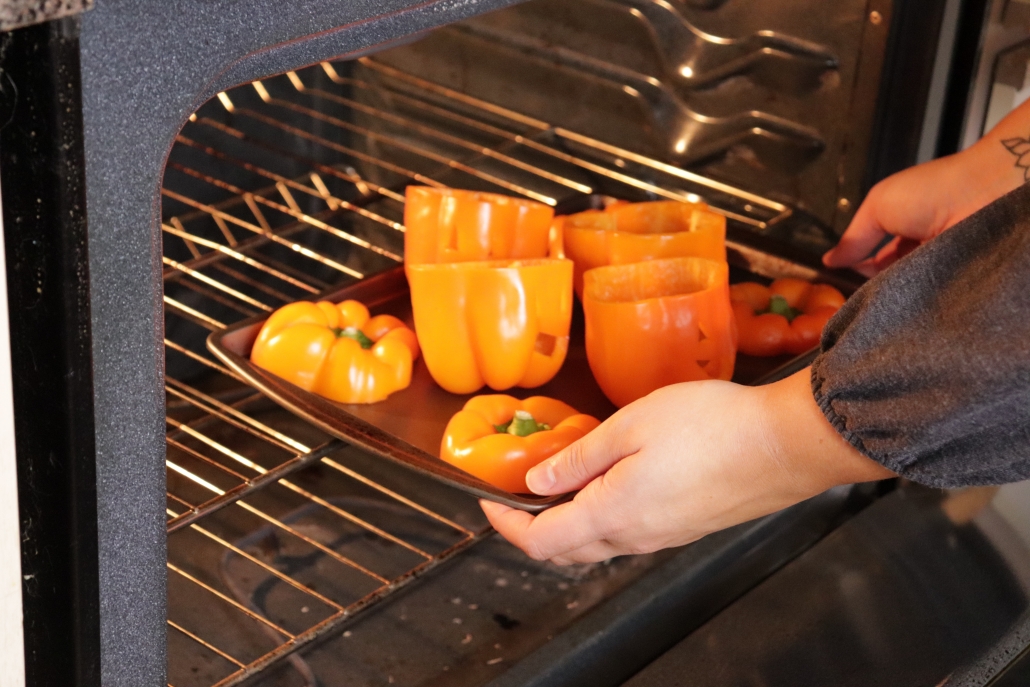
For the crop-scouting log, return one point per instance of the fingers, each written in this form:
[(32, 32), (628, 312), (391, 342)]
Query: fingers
[(557, 531), (906, 246), (514, 525), (509, 522), (594, 552), (858, 241), (867, 268), (887, 255), (896, 249), (518, 528), (572, 468), (883, 259)]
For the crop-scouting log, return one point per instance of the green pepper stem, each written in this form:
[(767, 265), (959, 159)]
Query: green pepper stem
[(357, 335), (778, 306), (522, 425)]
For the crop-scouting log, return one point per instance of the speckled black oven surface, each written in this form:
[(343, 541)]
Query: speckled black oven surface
[(146, 66)]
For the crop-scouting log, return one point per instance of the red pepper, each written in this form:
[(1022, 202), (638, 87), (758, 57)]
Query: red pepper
[(786, 317)]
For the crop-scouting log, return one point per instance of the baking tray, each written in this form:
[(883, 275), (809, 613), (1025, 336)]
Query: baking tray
[(407, 427)]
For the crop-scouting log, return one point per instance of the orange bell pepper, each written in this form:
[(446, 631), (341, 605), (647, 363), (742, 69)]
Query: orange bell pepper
[(450, 225), (625, 233), (650, 324), (787, 316), (337, 351), (499, 323), (498, 438)]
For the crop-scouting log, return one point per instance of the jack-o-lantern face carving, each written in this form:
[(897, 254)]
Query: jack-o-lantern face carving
[(651, 324)]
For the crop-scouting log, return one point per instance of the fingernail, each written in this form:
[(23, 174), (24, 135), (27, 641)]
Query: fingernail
[(542, 477)]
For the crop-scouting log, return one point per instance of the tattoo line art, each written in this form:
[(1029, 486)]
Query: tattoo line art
[(1020, 147)]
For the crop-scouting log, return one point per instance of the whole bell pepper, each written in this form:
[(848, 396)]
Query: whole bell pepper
[(651, 324), (498, 323), (624, 233), (499, 438), (451, 225), (337, 350), (787, 316)]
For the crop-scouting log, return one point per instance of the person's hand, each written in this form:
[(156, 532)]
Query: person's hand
[(918, 203), (913, 206), (687, 460)]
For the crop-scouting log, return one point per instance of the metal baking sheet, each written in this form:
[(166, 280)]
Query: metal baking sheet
[(408, 426)]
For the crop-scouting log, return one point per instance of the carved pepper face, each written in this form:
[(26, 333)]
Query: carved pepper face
[(651, 324)]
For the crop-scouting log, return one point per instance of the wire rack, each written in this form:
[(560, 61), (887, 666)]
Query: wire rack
[(277, 191)]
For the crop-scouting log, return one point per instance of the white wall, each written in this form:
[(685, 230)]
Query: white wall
[(12, 650), (1013, 504)]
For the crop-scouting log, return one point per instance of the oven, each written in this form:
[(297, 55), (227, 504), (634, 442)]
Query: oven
[(171, 168)]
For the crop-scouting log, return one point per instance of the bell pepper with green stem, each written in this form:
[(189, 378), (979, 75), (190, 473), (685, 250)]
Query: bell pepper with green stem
[(337, 350), (787, 316), (498, 438)]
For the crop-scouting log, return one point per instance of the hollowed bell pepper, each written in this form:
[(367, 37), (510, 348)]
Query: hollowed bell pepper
[(651, 324), (498, 323), (450, 225), (787, 316), (625, 233), (498, 438), (337, 351)]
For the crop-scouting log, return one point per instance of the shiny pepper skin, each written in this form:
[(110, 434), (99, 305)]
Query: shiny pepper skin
[(498, 323), (452, 225), (763, 333), (472, 440), (651, 324), (625, 233), (316, 346)]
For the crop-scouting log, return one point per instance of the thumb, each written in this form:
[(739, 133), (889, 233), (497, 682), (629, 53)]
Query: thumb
[(863, 235), (576, 465)]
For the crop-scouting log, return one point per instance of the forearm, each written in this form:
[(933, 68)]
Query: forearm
[(803, 441), (926, 369), (994, 165), (918, 203)]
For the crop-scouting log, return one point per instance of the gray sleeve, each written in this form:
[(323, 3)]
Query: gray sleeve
[(926, 369)]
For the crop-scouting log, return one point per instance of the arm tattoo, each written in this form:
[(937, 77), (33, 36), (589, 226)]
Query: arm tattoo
[(1020, 147)]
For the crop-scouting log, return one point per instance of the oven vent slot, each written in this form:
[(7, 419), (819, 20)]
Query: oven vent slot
[(277, 191)]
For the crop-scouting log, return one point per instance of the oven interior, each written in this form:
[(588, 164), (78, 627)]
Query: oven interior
[(295, 559)]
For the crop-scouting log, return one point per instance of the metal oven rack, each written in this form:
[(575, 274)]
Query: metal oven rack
[(277, 191)]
